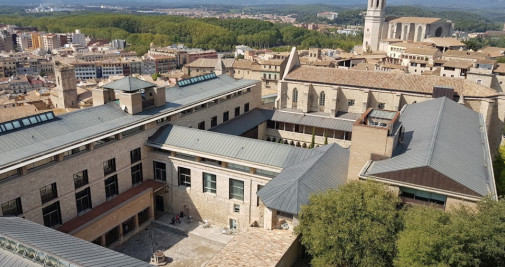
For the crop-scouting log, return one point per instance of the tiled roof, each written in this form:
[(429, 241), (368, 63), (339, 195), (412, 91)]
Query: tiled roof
[(387, 81), (500, 68), (459, 64), (273, 62), (246, 64), (129, 84), (210, 63), (444, 41), (464, 54), (494, 51), (425, 51), (421, 20)]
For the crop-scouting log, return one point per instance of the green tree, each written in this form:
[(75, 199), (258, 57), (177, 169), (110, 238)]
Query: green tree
[(354, 225), (462, 237), (499, 170), (313, 142), (155, 76)]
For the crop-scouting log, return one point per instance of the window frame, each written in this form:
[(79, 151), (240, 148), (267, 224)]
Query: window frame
[(162, 171), (44, 195), (12, 207), (213, 183), (232, 185), (110, 167), (137, 174), (49, 210), (111, 186), (135, 155), (84, 179), (187, 176), (83, 198)]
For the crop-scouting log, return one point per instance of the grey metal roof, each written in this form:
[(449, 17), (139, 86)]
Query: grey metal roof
[(85, 123), (447, 137), (248, 121), (7, 258), (63, 246), (129, 84), (291, 189), (382, 114), (236, 147)]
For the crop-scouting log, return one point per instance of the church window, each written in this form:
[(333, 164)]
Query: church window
[(322, 99), (295, 95)]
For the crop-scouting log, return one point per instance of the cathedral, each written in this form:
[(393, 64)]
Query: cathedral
[(380, 30)]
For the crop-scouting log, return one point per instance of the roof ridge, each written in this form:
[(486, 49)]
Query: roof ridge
[(435, 132)]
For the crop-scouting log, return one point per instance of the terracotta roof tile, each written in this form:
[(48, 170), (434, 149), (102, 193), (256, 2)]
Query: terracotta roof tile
[(387, 81), (459, 64), (415, 20)]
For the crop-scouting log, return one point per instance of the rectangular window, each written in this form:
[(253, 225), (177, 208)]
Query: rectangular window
[(201, 125), (137, 174), (83, 200), (237, 111), (111, 187), (74, 151), (209, 183), (80, 179), (105, 140), (246, 107), (236, 189), (238, 167), (135, 155), (160, 171), (257, 197), (48, 193), (132, 131), (12, 207), (236, 208), (109, 166), (382, 105), (350, 103), (52, 214), (184, 177), (226, 116), (213, 122), (418, 196)]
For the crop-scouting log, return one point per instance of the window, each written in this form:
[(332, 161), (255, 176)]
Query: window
[(201, 125), (422, 196), (479, 81), (184, 177), (238, 167), (295, 95), (52, 215), (209, 183), (322, 99), (237, 111), (135, 155), (350, 103), (83, 200), (213, 121), (257, 196), (137, 174), (111, 188), (12, 207), (236, 189), (105, 140), (80, 179), (109, 166), (160, 171), (382, 105), (48, 193), (246, 107), (226, 116), (74, 151), (236, 208)]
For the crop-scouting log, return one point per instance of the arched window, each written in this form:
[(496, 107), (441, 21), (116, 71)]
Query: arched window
[(322, 99), (295, 95)]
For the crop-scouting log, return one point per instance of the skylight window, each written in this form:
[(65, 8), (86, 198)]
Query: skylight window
[(24, 122), (197, 79)]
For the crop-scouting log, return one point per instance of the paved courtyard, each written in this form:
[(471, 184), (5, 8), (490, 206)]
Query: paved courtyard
[(185, 244)]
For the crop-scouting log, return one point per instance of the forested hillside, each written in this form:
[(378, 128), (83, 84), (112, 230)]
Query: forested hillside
[(221, 35)]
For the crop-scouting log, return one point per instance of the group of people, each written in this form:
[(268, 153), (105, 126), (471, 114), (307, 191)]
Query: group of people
[(177, 218)]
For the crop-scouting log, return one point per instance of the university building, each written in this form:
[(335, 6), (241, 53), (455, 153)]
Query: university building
[(204, 147)]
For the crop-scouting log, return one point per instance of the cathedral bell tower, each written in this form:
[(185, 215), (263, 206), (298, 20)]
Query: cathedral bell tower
[(374, 21)]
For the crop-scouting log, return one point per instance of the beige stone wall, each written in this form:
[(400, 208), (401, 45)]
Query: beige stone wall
[(218, 208), (454, 203)]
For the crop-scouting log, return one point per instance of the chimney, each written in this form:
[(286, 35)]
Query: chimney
[(131, 102), (102, 96)]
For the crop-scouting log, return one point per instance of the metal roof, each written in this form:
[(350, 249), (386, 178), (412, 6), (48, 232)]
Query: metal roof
[(248, 121), (446, 137), (382, 114), (235, 147), (82, 124), (129, 84), (62, 246), (291, 189)]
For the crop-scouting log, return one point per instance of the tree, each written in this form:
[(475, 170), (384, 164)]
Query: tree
[(354, 225), (155, 76), (313, 142), (499, 170), (463, 237)]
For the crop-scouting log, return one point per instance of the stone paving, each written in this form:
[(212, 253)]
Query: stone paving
[(185, 244)]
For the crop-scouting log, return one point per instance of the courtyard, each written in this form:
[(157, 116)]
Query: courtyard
[(187, 243)]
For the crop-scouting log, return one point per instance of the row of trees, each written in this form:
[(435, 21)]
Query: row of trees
[(208, 33), (365, 224)]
